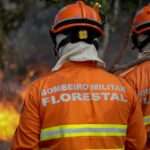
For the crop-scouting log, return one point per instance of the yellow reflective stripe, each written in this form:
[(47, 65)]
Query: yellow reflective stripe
[(87, 126), (106, 149), (78, 130), (147, 120)]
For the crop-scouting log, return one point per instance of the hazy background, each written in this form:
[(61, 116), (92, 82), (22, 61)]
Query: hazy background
[(26, 48)]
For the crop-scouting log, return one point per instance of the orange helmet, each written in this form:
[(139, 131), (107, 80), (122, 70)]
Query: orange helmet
[(77, 14), (141, 22), (141, 26)]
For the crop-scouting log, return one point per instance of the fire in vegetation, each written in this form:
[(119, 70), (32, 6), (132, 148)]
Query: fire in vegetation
[(9, 119)]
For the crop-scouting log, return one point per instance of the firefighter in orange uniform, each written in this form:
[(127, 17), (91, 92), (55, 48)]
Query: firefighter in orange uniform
[(79, 106), (138, 73)]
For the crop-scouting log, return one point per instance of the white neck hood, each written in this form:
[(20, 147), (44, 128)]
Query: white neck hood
[(78, 52)]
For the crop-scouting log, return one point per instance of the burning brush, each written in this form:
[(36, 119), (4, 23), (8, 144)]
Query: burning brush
[(9, 119)]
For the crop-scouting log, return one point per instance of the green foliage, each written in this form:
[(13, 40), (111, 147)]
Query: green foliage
[(11, 18)]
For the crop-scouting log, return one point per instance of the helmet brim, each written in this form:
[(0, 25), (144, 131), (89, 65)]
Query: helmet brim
[(68, 24)]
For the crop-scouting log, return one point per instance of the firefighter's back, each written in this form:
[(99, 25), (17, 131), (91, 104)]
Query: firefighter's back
[(87, 108), (139, 78)]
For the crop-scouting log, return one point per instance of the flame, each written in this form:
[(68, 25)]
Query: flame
[(9, 119)]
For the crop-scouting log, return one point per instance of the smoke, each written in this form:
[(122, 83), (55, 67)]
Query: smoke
[(31, 42)]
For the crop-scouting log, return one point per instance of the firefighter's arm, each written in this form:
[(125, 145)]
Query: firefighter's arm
[(130, 75), (28, 132), (136, 133)]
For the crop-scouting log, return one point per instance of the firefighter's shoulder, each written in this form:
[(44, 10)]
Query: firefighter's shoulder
[(125, 69), (143, 65)]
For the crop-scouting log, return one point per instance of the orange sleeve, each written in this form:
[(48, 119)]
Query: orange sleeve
[(136, 133), (28, 132), (139, 79), (130, 77)]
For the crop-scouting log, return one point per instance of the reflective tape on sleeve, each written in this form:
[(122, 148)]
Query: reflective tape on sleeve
[(147, 120), (79, 130)]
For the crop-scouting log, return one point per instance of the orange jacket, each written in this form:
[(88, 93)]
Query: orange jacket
[(80, 107), (139, 78)]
